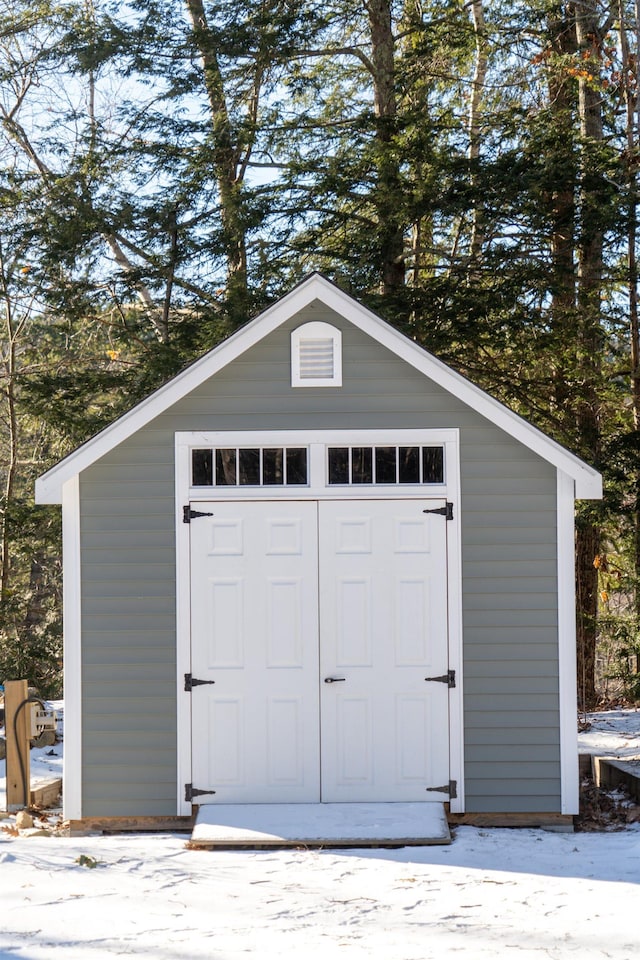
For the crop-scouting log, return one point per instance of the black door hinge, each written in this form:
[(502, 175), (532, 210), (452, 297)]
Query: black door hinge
[(450, 788), (449, 678), (188, 514), (446, 512), (190, 682), (190, 792)]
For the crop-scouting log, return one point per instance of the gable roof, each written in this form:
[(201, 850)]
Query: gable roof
[(588, 482)]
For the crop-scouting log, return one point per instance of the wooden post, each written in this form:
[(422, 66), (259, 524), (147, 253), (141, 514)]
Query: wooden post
[(18, 756)]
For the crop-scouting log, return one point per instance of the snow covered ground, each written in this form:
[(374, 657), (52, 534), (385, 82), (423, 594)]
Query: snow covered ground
[(611, 732), (492, 893)]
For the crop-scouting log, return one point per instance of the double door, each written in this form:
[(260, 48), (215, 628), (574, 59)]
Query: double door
[(315, 625)]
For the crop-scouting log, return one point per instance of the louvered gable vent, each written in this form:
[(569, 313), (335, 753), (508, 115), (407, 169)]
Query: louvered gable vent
[(316, 356)]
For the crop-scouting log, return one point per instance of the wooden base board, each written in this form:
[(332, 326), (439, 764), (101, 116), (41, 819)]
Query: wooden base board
[(550, 821), (88, 825)]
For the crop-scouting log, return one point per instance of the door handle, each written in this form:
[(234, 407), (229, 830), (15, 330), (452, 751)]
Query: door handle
[(334, 679)]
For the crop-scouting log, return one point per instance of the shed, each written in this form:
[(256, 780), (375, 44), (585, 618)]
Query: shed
[(319, 566)]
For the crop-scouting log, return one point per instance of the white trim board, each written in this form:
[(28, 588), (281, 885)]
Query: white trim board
[(317, 441), (72, 662), (567, 670), (588, 482)]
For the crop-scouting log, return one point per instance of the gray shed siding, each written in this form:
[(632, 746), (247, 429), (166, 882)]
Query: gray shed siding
[(509, 576)]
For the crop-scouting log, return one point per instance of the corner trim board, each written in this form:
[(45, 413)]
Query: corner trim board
[(567, 669), (183, 629), (455, 623), (72, 658)]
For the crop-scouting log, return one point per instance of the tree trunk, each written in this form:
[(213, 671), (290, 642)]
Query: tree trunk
[(587, 548), (562, 107), (477, 90), (226, 160), (590, 273), (11, 420), (630, 78), (388, 198)]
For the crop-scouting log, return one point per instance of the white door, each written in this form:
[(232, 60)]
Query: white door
[(255, 724), (315, 626), (383, 631)]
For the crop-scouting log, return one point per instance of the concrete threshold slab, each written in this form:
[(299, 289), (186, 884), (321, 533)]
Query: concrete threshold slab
[(320, 825)]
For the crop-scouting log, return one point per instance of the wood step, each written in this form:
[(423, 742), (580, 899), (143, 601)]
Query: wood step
[(46, 794), (263, 825), (610, 772)]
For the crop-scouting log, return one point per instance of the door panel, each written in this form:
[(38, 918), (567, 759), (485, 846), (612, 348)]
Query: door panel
[(383, 629), (255, 634), (287, 595)]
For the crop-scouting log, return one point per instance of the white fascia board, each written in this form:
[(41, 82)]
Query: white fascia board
[(588, 481)]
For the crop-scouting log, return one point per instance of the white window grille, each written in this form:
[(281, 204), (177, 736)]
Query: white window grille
[(249, 466)]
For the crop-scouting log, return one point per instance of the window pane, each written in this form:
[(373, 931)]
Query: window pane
[(297, 465), (275, 466), (432, 465), (225, 468), (249, 467), (409, 464), (386, 465), (361, 465), (338, 465), (272, 467), (202, 468)]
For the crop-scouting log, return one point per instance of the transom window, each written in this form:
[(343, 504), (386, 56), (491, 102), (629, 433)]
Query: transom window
[(385, 465), (249, 467)]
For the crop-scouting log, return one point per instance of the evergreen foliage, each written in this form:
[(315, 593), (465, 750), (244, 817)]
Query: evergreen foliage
[(469, 170)]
